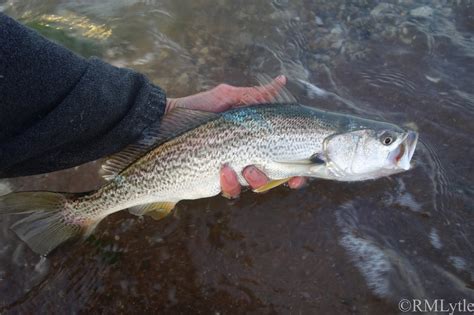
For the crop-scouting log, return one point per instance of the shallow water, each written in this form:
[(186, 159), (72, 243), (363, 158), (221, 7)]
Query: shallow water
[(330, 247)]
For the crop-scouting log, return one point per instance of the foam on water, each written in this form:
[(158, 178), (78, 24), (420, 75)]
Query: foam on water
[(434, 239), (458, 262), (388, 273), (371, 261)]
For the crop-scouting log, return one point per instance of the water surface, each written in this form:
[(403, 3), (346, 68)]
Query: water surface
[(328, 248)]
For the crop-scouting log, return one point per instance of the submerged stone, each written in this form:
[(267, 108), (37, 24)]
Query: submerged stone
[(424, 11)]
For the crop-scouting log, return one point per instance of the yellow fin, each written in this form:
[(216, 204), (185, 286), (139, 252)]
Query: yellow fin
[(156, 210), (162, 210), (271, 184), (158, 214)]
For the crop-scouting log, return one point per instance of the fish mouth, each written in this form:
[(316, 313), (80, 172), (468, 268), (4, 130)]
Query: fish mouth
[(402, 155)]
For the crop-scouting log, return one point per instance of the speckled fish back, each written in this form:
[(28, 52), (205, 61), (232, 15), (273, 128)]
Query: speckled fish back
[(187, 167)]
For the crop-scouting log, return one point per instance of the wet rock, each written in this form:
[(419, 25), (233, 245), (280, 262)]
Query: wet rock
[(318, 21), (337, 44), (336, 30), (205, 51), (380, 8), (183, 80), (389, 31), (281, 4), (201, 61), (406, 40), (313, 66), (424, 12)]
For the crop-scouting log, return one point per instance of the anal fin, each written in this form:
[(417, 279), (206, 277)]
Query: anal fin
[(271, 184), (156, 210)]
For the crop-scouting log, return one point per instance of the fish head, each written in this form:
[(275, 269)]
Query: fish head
[(369, 153)]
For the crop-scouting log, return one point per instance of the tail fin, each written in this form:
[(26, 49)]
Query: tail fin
[(46, 227)]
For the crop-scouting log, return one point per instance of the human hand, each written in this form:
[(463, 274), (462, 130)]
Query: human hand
[(255, 178), (224, 97)]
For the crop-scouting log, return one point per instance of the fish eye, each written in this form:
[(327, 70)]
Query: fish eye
[(387, 139)]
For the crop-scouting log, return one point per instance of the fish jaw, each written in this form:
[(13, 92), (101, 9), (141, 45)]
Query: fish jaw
[(401, 157)]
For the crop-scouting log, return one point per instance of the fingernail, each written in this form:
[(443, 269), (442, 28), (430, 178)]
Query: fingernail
[(281, 78), (227, 177), (249, 173), (254, 177), (230, 186), (297, 182)]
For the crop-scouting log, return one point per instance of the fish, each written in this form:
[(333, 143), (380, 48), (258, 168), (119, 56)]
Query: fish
[(181, 158)]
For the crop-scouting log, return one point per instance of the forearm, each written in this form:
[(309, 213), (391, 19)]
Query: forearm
[(58, 110)]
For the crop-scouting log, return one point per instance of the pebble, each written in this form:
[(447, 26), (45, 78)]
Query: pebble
[(337, 44), (183, 80), (424, 11), (336, 30), (318, 21), (380, 8), (205, 51)]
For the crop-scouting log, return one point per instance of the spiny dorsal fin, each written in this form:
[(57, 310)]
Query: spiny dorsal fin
[(173, 124), (283, 96)]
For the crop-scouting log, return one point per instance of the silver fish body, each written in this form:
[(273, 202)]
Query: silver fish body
[(282, 140)]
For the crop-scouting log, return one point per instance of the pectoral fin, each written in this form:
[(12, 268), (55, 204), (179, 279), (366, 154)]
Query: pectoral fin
[(271, 184), (156, 210), (313, 166), (315, 159)]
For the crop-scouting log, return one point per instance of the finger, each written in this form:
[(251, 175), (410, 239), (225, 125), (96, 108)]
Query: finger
[(230, 185), (296, 182), (255, 177), (171, 103), (215, 100), (268, 92), (260, 94)]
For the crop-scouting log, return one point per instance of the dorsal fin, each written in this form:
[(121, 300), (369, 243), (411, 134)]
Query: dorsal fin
[(283, 96), (173, 124)]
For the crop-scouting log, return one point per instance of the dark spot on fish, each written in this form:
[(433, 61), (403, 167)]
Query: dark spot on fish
[(316, 159)]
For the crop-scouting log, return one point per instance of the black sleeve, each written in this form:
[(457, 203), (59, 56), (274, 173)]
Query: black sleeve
[(58, 110)]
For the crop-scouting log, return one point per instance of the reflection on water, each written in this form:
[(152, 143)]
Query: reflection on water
[(332, 247)]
